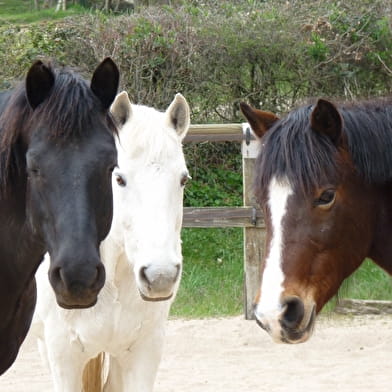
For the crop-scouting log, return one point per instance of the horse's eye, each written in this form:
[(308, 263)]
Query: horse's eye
[(184, 179), (33, 171), (326, 199), (120, 180)]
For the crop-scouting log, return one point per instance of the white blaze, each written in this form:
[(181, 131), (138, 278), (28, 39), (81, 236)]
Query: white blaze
[(269, 306)]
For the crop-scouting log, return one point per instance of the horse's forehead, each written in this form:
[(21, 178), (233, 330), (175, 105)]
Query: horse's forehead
[(279, 191), (76, 151), (165, 153)]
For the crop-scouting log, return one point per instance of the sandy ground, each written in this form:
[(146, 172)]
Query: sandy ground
[(234, 355)]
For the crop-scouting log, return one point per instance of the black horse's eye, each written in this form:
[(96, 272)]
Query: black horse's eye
[(120, 180), (184, 179), (326, 199)]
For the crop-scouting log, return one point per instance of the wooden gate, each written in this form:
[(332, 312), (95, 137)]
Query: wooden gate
[(249, 216)]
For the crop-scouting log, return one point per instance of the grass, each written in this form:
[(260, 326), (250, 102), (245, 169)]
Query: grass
[(212, 280), (212, 283), (23, 12), (368, 282)]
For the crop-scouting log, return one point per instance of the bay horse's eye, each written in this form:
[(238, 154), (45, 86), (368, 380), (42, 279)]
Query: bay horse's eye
[(33, 172), (184, 179), (120, 180), (326, 199)]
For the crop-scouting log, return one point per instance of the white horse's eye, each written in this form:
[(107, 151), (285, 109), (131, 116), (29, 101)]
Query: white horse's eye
[(120, 180), (184, 179)]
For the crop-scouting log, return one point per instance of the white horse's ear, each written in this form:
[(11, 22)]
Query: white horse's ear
[(121, 109), (178, 115)]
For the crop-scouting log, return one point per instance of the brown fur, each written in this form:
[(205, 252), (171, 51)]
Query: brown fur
[(93, 374), (325, 150)]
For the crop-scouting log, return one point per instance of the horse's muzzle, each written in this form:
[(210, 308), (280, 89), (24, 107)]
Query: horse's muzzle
[(76, 289), (158, 282), (294, 324)]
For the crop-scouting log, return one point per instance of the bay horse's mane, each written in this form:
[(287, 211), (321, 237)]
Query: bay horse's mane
[(68, 112), (310, 159)]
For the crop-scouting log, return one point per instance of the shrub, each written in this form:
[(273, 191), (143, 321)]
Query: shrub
[(271, 54)]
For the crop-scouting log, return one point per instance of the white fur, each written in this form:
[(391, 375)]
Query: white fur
[(145, 234), (269, 307)]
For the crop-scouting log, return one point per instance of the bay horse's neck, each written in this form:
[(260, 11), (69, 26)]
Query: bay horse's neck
[(381, 252)]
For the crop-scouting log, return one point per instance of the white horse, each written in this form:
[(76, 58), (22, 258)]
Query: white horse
[(142, 258)]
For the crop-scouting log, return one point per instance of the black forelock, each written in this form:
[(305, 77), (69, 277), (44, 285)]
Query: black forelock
[(70, 107)]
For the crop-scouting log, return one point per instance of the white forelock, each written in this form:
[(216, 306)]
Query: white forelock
[(147, 136)]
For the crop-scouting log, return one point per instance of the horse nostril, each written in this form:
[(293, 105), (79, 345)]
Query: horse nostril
[(55, 275), (99, 279), (178, 271), (293, 313), (143, 275)]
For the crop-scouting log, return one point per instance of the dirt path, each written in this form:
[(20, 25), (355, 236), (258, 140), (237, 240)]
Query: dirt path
[(234, 355)]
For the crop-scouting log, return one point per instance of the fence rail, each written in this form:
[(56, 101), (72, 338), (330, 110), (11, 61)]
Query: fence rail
[(222, 217), (215, 133)]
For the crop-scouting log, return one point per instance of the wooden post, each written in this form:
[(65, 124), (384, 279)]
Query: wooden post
[(254, 237)]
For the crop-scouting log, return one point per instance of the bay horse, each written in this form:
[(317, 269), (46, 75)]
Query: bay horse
[(324, 181), (57, 151), (142, 258)]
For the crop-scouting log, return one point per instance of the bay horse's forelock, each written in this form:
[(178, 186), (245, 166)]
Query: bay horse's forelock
[(336, 163)]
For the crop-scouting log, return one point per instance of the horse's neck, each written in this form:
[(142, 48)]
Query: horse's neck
[(20, 255), (381, 252)]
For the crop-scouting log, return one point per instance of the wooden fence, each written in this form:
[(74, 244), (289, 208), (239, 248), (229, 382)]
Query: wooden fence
[(249, 216)]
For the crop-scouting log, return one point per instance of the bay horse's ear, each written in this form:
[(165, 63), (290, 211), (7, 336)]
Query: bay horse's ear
[(178, 115), (121, 108), (104, 82), (259, 120), (39, 82), (326, 119)]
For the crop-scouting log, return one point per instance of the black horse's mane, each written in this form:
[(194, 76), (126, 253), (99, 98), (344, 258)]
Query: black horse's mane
[(68, 112), (309, 159)]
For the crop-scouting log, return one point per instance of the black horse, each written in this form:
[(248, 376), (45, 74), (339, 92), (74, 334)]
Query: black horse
[(57, 152)]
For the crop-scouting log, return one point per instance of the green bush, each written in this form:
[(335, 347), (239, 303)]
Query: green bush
[(271, 53)]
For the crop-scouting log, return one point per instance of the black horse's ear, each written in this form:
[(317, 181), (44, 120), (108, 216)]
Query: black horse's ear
[(39, 82), (104, 82), (259, 120), (326, 119)]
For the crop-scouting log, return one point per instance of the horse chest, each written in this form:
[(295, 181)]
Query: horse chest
[(119, 319)]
